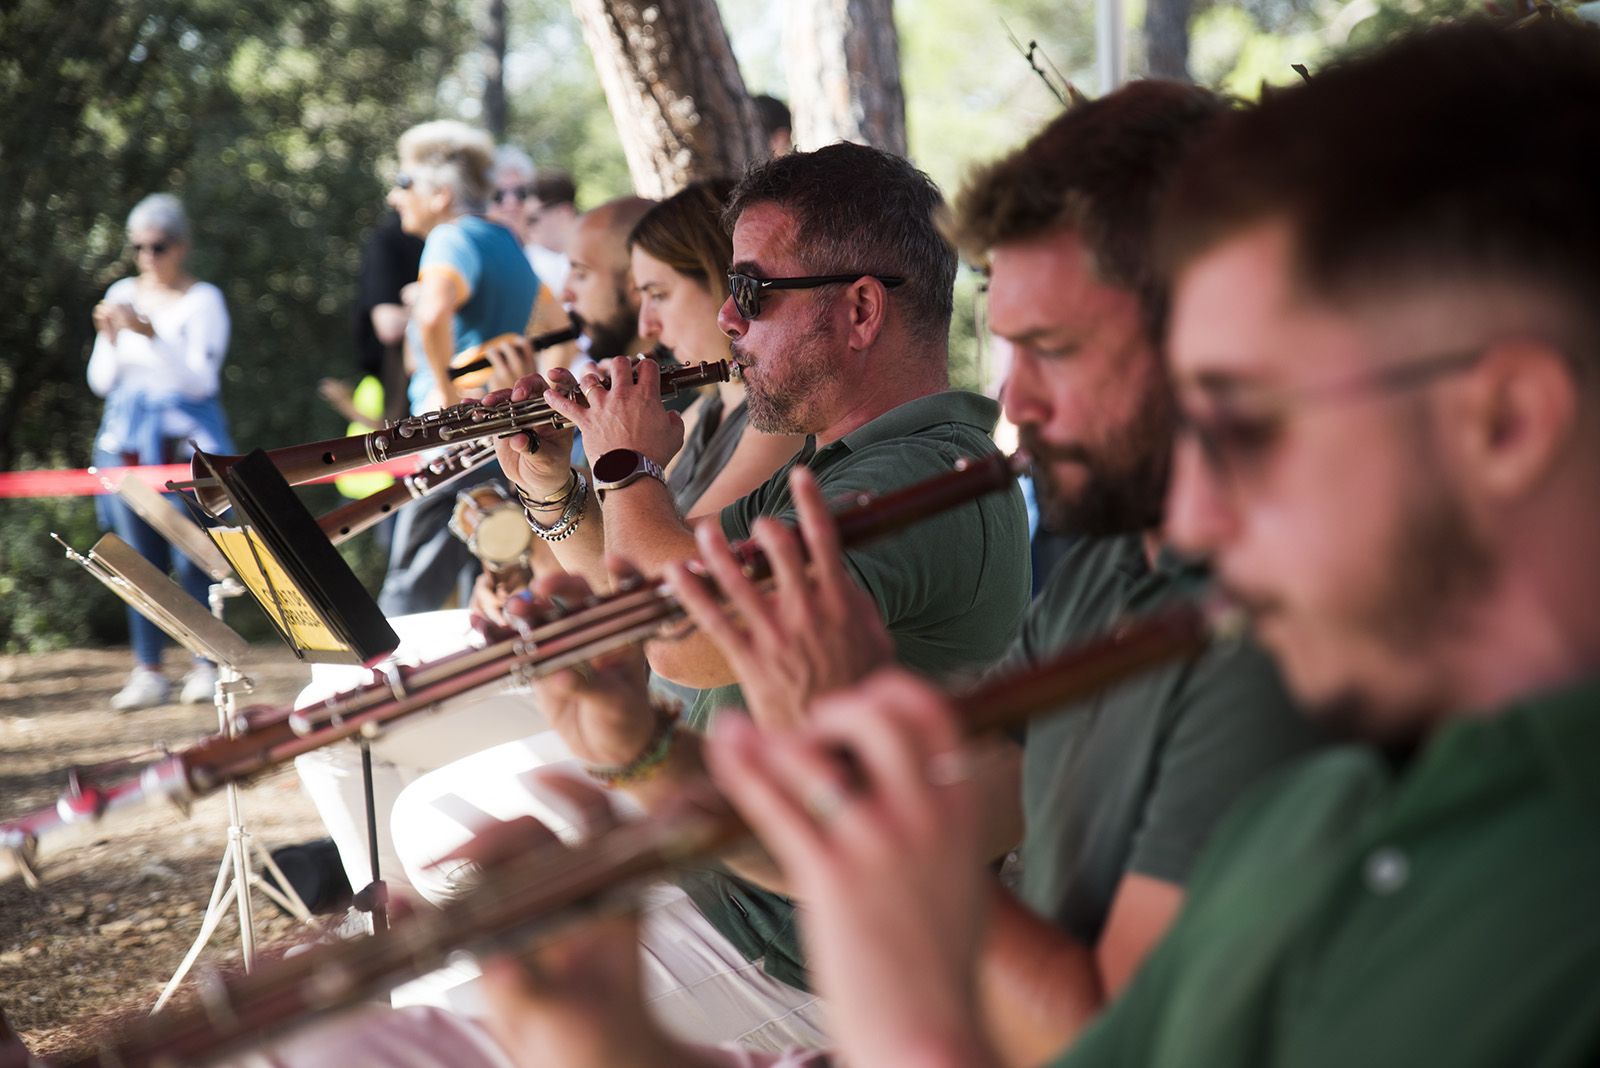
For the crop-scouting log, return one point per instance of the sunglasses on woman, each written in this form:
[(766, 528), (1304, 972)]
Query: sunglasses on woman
[(155, 248), (746, 290), (520, 192)]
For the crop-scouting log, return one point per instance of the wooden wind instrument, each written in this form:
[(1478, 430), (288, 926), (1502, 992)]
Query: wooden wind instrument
[(346, 521), (266, 737), (468, 421), (534, 889)]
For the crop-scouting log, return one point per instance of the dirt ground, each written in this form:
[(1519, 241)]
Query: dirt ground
[(115, 916)]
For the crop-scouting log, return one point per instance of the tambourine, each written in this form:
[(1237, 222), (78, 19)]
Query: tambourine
[(492, 525)]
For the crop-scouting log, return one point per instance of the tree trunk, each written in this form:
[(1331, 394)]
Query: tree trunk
[(494, 69), (674, 88), (1166, 38), (844, 73)]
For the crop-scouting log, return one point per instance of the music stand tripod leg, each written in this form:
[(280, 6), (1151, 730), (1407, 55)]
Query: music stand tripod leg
[(373, 899), (235, 879)]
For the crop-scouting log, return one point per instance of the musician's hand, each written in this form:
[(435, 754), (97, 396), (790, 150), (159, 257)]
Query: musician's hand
[(540, 464), (510, 361), (123, 317), (601, 708), (628, 415), (576, 1000), (885, 851), (489, 600), (816, 632)]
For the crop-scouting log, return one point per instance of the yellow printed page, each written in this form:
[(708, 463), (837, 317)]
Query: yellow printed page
[(297, 616)]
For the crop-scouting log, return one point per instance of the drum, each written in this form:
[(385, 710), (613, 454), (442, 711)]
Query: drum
[(491, 523)]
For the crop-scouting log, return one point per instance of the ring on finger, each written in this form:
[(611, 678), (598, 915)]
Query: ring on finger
[(949, 768), (825, 800)]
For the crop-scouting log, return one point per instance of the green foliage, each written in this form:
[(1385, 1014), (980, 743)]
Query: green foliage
[(270, 120), (558, 110)]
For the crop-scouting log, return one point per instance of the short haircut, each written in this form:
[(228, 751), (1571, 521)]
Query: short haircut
[(685, 232), (773, 113), (553, 187), (1099, 169), (163, 212), (1464, 153), (509, 159), (862, 209), (450, 155)]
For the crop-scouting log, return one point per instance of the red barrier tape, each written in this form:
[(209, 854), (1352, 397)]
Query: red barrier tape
[(84, 482)]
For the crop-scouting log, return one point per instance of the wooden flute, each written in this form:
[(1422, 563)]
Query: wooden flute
[(468, 421), (346, 521), (536, 888), (265, 737)]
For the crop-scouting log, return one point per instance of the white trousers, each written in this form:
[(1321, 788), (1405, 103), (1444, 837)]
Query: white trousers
[(420, 743), (429, 1038), (697, 984)]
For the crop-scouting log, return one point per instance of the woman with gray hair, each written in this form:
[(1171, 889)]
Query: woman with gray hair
[(473, 284), (160, 339)]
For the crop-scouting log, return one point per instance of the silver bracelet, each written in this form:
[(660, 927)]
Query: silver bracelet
[(570, 515)]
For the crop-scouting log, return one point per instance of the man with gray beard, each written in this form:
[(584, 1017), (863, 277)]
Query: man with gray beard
[(1119, 794), (839, 310)]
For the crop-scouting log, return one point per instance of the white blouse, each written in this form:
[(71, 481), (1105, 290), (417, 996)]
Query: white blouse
[(185, 356)]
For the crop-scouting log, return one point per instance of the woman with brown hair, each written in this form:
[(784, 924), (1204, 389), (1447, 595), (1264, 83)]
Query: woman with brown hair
[(681, 254)]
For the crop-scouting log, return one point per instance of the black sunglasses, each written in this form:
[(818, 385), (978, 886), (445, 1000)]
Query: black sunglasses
[(518, 191), (402, 181), (155, 248), (746, 290)]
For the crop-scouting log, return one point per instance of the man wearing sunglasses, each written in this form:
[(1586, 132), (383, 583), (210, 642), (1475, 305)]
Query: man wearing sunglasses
[(1121, 793), (840, 316)]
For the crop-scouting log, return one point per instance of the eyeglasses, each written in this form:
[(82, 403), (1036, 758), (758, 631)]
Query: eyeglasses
[(403, 181), (1240, 423), (155, 248), (746, 290), (518, 191)]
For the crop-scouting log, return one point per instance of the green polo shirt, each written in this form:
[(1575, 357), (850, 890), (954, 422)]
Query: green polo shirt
[(1352, 913), (1136, 779), (952, 589)]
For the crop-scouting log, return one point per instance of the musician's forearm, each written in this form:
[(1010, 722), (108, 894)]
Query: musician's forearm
[(1038, 987), (581, 552)]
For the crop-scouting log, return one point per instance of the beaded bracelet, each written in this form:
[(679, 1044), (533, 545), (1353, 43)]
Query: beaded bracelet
[(650, 760)]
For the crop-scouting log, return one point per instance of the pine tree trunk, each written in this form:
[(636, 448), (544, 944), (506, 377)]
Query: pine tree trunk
[(1166, 37), (494, 65), (844, 73), (674, 89)]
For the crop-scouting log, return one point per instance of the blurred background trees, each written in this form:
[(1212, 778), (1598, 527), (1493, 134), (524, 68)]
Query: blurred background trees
[(274, 120)]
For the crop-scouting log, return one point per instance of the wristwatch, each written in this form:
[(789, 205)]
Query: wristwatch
[(619, 467)]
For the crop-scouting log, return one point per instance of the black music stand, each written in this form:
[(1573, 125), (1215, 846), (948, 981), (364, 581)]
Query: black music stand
[(120, 568), (313, 599)]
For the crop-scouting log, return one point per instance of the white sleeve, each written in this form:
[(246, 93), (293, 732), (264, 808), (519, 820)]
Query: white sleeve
[(193, 360), (103, 360), (102, 366)]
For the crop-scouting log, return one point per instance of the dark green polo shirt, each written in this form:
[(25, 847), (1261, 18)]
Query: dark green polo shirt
[(1136, 779), (1352, 913), (952, 588)]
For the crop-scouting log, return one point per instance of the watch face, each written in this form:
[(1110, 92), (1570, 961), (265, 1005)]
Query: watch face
[(616, 465)]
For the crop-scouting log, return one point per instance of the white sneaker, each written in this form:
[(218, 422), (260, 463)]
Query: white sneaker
[(199, 686), (144, 689)]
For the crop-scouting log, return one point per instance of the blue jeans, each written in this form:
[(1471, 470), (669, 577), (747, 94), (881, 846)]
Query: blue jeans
[(148, 639)]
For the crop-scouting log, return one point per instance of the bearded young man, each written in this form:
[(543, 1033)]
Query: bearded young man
[(1384, 340), (1119, 795)]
